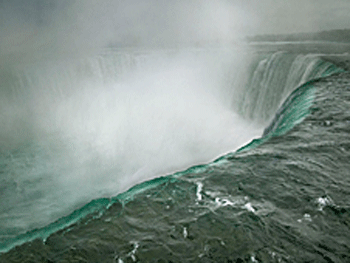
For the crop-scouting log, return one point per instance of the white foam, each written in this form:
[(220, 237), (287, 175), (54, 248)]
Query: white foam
[(324, 201), (185, 232), (249, 207), (199, 191)]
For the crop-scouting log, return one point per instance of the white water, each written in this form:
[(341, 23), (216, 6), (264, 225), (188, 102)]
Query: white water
[(94, 127), (273, 79)]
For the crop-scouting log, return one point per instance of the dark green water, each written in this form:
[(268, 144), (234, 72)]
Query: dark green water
[(281, 198)]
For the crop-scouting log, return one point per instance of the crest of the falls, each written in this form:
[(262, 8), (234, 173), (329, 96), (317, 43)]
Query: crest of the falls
[(75, 130), (81, 129)]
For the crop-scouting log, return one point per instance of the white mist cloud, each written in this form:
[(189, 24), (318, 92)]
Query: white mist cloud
[(32, 28), (162, 117), (77, 27), (283, 17)]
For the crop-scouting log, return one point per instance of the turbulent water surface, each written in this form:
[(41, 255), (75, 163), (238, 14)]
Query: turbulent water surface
[(66, 165)]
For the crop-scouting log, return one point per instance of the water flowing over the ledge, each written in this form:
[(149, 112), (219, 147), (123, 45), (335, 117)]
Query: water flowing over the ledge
[(158, 112)]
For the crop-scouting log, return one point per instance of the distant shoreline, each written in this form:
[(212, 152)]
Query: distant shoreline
[(338, 35)]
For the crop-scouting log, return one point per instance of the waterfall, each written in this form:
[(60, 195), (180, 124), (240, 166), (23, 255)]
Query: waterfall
[(273, 78), (80, 129)]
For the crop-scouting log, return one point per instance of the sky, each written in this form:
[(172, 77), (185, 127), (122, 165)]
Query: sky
[(75, 26), (288, 16)]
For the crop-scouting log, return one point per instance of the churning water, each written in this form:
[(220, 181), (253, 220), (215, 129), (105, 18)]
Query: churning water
[(78, 133)]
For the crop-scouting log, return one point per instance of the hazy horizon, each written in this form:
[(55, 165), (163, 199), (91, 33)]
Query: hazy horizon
[(29, 28)]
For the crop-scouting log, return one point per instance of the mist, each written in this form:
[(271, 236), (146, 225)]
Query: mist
[(33, 32), (97, 96), (37, 29), (33, 29)]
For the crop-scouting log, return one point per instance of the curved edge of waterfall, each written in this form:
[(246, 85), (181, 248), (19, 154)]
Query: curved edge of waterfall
[(292, 112)]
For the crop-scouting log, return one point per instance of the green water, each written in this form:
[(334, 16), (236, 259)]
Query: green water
[(283, 201), (281, 198)]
